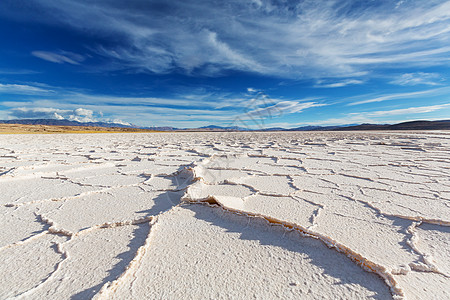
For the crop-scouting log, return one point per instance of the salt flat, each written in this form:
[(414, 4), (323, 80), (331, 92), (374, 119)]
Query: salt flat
[(323, 215)]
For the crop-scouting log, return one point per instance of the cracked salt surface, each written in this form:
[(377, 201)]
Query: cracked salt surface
[(225, 215)]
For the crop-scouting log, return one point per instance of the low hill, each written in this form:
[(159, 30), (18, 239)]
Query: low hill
[(412, 125)]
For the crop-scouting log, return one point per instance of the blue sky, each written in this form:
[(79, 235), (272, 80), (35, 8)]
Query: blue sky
[(245, 63)]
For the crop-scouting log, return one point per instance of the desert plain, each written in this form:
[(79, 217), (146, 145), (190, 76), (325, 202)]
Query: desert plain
[(292, 215)]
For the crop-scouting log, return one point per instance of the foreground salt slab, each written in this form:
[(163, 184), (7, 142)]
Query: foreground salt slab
[(90, 261), (225, 215), (229, 256), (30, 264)]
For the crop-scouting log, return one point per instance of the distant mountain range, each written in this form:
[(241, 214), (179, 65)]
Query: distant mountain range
[(412, 125)]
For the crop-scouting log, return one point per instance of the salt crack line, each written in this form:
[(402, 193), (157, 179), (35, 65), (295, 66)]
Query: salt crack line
[(308, 201), (251, 188), (100, 185), (397, 192), (25, 241), (107, 225), (102, 190), (55, 230), (409, 218)]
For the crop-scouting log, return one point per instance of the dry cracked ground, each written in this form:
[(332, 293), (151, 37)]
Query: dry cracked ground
[(225, 216)]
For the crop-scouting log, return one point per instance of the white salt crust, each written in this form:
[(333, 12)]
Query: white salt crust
[(322, 215)]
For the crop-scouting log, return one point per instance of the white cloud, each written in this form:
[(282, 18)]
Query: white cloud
[(345, 120), (399, 96), (39, 113), (17, 72), (379, 117), (409, 110), (418, 78), (338, 84), (78, 114), (59, 57), (320, 38), (22, 89), (280, 108), (83, 112), (116, 121)]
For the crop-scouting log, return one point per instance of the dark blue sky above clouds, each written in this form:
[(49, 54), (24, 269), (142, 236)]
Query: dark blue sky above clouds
[(195, 63)]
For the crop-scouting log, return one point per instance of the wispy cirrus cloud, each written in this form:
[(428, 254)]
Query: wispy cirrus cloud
[(396, 96), (59, 57), (383, 116), (17, 72), (281, 108), (322, 84), (419, 78), (23, 89), (311, 39), (409, 110)]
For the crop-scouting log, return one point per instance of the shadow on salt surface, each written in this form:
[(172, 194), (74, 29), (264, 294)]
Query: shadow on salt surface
[(331, 263), (437, 228), (139, 237), (401, 224), (163, 202), (434, 241)]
